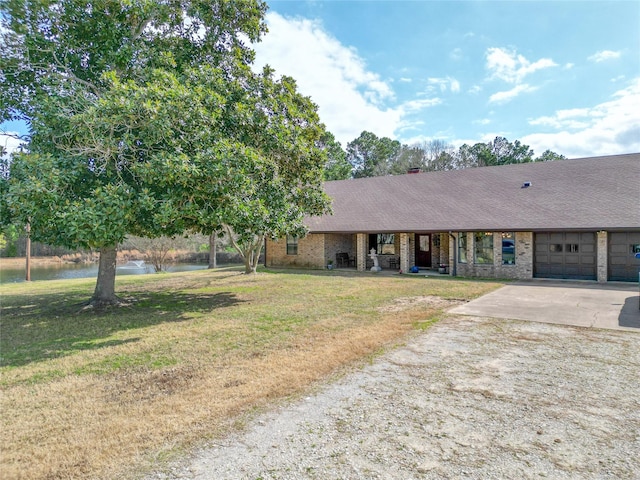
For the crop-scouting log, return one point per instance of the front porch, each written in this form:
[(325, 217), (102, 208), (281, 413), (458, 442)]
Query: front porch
[(399, 252)]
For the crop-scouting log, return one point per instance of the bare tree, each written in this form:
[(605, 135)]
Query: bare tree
[(159, 252)]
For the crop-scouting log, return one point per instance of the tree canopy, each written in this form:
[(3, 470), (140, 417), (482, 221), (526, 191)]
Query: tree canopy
[(337, 166), (146, 119), (370, 156)]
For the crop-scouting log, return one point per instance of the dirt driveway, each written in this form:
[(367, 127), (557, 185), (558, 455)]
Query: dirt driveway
[(471, 398)]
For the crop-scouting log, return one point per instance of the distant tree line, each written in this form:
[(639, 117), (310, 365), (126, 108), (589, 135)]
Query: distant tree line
[(372, 156)]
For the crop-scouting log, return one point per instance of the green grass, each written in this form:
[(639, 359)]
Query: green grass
[(185, 355), (42, 321)]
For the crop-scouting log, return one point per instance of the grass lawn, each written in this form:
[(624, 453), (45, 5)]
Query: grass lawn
[(110, 393)]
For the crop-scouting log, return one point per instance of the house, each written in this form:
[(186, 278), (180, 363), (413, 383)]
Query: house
[(571, 219)]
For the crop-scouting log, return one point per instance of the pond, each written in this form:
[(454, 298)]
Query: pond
[(59, 271)]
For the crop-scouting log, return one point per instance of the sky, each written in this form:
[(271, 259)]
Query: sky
[(557, 75)]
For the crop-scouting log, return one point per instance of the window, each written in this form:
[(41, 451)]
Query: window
[(555, 247), (635, 248), (508, 248), (462, 247), (571, 248), (292, 245), (483, 248), (424, 243), (384, 243)]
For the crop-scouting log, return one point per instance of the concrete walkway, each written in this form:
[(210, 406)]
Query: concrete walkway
[(584, 304)]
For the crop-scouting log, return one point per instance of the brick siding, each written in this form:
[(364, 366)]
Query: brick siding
[(315, 250), (521, 269)]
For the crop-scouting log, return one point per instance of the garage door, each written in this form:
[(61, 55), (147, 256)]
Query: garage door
[(565, 255), (623, 266)]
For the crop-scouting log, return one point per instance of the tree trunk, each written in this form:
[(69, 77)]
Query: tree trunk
[(212, 251), (28, 253), (104, 293), (248, 267), (252, 255), (250, 250)]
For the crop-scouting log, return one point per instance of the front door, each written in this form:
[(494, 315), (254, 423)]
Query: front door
[(423, 251)]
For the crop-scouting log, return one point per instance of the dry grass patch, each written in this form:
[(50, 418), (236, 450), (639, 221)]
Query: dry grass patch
[(108, 394)]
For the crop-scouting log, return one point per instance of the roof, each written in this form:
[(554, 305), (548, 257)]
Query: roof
[(596, 193)]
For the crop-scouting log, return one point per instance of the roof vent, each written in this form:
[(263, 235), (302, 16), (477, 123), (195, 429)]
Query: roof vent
[(526, 185)]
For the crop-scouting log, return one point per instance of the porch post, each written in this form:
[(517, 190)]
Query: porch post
[(361, 251), (405, 251), (444, 248), (602, 256)]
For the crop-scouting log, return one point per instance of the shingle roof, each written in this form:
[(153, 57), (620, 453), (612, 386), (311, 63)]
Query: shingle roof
[(579, 194)]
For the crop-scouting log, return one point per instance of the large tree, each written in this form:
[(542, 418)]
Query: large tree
[(75, 71), (549, 156), (337, 167), (283, 181), (497, 152), (428, 156), (371, 156)]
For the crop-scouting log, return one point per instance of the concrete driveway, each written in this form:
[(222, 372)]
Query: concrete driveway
[(611, 305)]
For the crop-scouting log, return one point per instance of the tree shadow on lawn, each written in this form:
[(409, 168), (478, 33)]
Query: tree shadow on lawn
[(55, 325)]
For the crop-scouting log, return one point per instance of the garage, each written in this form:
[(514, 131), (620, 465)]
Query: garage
[(623, 265), (569, 255)]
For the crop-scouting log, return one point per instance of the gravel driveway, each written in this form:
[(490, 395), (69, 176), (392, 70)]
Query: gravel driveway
[(471, 398)]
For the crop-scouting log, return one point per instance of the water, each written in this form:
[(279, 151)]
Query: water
[(67, 270)]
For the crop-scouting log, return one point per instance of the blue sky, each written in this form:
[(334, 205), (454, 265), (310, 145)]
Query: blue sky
[(563, 76), (558, 75)]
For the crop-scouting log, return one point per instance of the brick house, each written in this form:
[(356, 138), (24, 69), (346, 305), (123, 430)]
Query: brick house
[(574, 219)]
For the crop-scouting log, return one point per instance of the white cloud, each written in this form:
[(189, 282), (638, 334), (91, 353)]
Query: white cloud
[(510, 67), (456, 54), (475, 89), (350, 98), (604, 55), (608, 128), (9, 142), (508, 95), (417, 105), (445, 83), (574, 118)]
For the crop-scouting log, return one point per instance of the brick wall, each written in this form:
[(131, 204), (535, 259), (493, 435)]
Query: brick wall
[(339, 242), (522, 268), (314, 250), (311, 253), (440, 249)]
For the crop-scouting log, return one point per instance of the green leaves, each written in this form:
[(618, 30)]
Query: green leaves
[(371, 156), (146, 119)]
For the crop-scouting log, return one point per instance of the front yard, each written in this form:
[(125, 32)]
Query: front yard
[(108, 394)]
